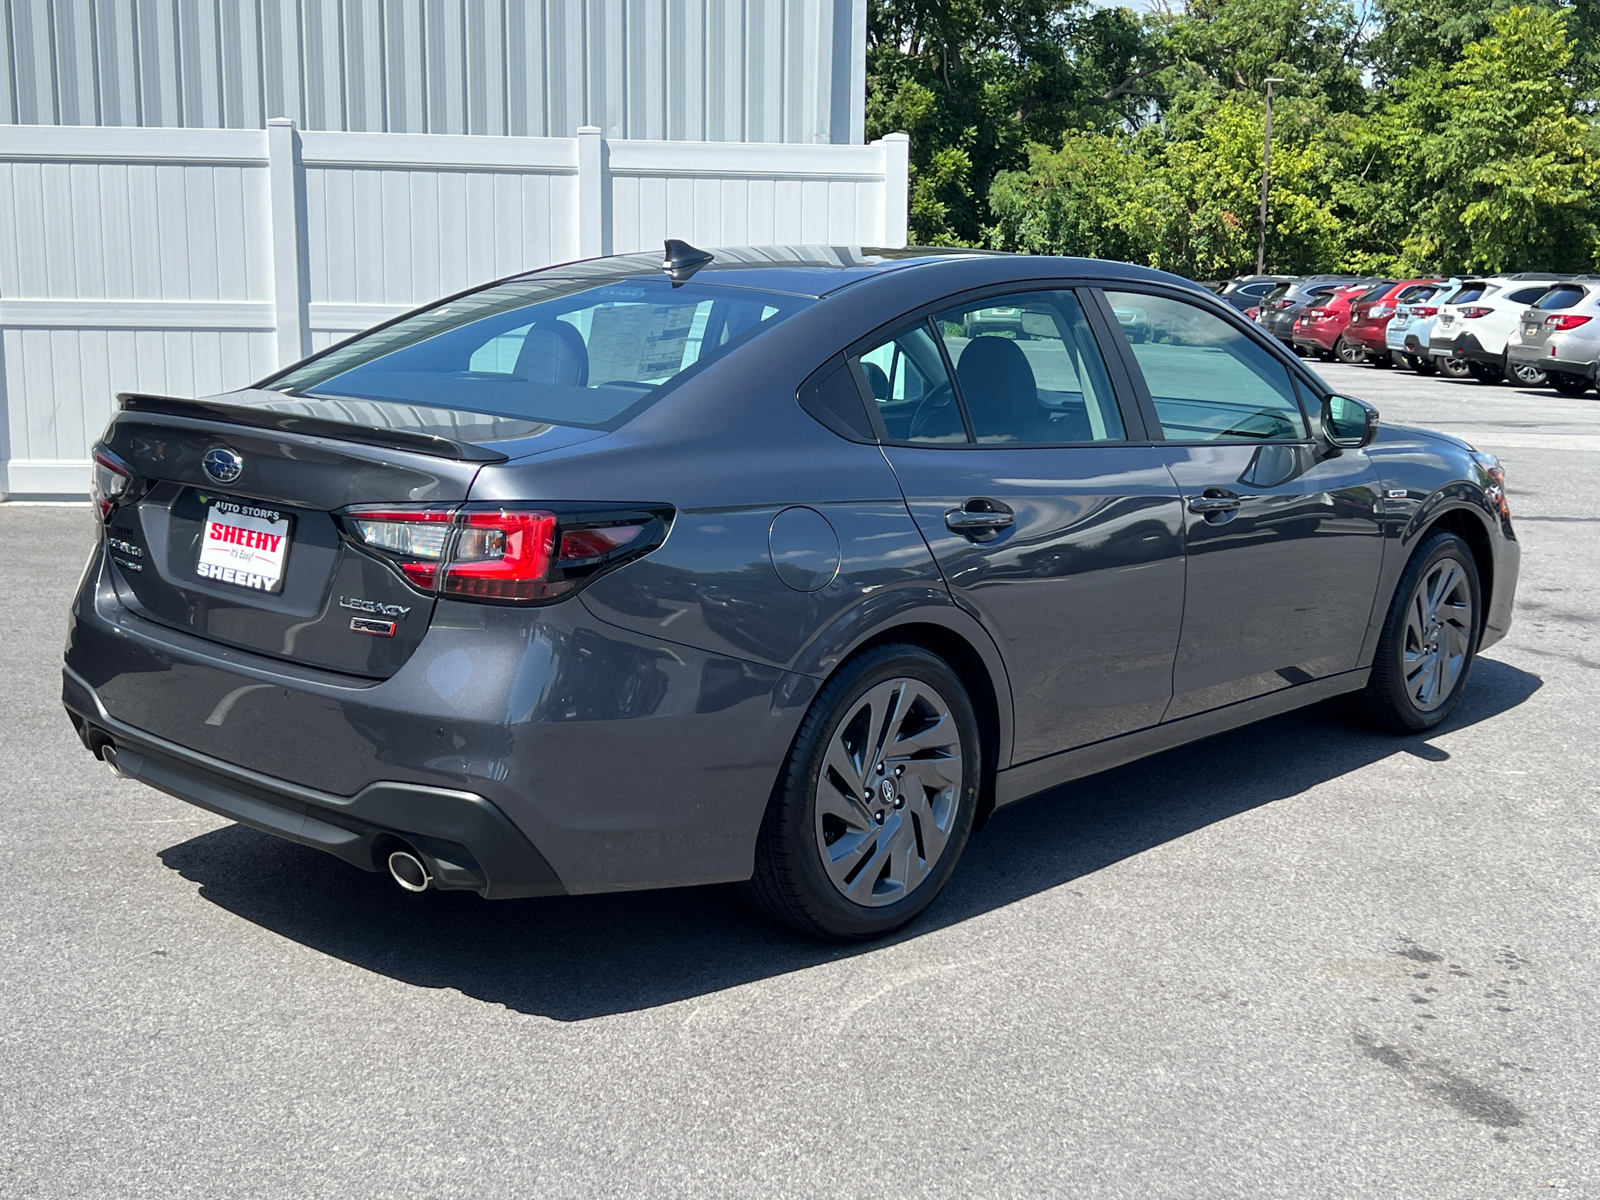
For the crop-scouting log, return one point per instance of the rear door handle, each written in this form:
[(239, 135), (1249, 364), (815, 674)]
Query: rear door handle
[(1205, 505), (981, 520)]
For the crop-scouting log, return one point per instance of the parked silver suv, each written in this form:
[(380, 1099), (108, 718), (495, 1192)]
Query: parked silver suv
[(1560, 335)]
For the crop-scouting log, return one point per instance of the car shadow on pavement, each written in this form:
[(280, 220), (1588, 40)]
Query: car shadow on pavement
[(572, 958)]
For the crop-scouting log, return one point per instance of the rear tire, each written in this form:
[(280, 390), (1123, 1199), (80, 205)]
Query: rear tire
[(1380, 358), (1484, 372), (1568, 384), (1429, 639), (1348, 352), (1422, 364), (1452, 367), (893, 724)]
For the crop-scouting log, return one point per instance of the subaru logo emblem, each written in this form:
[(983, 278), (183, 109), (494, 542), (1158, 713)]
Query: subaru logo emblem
[(222, 465)]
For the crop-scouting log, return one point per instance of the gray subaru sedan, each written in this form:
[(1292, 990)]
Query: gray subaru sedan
[(783, 566)]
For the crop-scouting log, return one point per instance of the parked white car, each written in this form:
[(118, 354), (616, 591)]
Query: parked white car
[(1404, 337), (1560, 335), (1473, 328)]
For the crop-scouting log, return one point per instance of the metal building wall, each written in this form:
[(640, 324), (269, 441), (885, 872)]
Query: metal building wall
[(683, 70)]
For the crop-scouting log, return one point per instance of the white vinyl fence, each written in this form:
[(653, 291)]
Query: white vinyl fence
[(186, 261)]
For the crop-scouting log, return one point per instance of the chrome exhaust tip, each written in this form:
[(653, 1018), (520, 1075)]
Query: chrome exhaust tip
[(409, 871), (108, 755)]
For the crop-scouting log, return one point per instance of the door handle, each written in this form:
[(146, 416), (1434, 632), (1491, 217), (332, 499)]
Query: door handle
[(981, 524), (1205, 506)]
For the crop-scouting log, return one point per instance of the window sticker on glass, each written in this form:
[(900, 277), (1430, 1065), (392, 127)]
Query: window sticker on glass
[(638, 342)]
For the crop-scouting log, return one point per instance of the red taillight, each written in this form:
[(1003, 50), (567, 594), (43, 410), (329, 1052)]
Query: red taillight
[(1280, 305), (502, 554), (1566, 321), (1250, 314), (1424, 310), (1472, 311), (110, 482)]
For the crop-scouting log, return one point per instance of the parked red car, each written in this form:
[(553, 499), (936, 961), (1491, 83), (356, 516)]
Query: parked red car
[(1371, 313), (1320, 328)]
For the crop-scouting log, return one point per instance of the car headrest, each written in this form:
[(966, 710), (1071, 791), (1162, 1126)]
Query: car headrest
[(998, 384), (553, 352), (876, 380)]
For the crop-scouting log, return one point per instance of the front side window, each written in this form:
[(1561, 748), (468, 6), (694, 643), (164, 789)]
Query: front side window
[(1210, 381), (562, 351), (1029, 370)]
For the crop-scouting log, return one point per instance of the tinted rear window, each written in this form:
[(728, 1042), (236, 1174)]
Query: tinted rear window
[(1417, 294), (1469, 293), (566, 352), (1559, 297), (1376, 293)]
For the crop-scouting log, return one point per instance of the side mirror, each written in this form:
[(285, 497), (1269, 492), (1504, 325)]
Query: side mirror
[(1348, 423)]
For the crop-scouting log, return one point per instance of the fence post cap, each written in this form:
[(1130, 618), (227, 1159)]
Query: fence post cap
[(591, 130), (289, 121)]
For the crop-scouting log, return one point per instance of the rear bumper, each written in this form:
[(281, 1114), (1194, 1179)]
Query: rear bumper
[(1539, 356), (521, 736), (1368, 337), (1464, 345), (468, 842), (1317, 339)]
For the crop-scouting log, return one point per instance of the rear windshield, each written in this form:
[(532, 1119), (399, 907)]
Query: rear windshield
[(561, 351), (1417, 293), (1376, 293), (1470, 292), (1560, 297)]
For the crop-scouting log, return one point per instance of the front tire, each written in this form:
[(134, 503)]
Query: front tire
[(875, 801), (1429, 639)]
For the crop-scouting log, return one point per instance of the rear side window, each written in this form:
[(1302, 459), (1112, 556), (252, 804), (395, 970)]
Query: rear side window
[(1558, 298), (908, 381), (1029, 370), (1211, 382), (567, 352)]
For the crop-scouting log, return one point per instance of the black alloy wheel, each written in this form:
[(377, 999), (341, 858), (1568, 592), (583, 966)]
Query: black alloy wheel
[(1568, 384), (1451, 366), (1429, 639), (875, 800)]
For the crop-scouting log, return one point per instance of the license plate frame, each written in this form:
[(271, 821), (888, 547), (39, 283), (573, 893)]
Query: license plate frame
[(244, 545)]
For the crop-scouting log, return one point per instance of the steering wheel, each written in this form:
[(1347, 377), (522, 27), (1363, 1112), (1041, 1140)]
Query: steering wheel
[(932, 406)]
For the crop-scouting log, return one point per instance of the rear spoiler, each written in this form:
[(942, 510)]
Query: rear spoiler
[(343, 431)]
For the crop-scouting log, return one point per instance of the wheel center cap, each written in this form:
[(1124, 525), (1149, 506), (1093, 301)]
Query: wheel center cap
[(886, 790)]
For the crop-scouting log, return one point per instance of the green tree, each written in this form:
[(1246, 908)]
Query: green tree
[(1507, 164)]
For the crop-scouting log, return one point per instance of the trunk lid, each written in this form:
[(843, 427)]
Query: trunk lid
[(256, 559)]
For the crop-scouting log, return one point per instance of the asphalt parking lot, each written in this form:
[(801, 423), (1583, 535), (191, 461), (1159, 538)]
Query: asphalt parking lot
[(1298, 960)]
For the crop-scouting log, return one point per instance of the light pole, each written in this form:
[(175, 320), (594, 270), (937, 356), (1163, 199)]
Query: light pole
[(1266, 168)]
